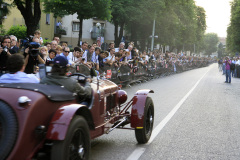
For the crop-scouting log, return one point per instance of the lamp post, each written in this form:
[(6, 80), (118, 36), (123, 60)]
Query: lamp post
[(153, 33)]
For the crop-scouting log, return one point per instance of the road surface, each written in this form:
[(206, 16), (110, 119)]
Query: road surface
[(196, 117)]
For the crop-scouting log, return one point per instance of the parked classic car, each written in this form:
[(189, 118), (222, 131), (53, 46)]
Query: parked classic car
[(38, 120)]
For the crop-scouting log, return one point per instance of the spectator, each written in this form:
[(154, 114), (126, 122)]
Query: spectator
[(121, 46), (102, 58), (65, 54), (130, 49), (232, 67), (111, 58), (32, 57), (15, 65), (52, 54), (37, 34), (96, 57), (44, 52), (88, 55), (57, 39), (84, 46), (4, 54), (54, 45), (94, 45), (63, 45), (13, 49), (59, 50), (228, 72), (77, 55), (48, 45), (111, 45)]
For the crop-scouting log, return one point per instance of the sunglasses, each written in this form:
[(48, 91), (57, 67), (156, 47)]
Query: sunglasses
[(67, 51)]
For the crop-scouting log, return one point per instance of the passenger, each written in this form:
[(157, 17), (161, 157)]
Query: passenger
[(58, 77), (16, 73)]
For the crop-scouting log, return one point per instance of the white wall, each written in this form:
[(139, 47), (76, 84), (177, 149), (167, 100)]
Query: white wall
[(87, 25)]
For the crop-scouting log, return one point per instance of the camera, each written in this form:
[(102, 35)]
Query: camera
[(5, 50), (33, 49), (34, 52)]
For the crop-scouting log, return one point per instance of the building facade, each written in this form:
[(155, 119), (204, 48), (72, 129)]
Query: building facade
[(91, 30), (46, 23)]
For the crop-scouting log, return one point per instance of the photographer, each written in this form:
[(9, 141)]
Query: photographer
[(4, 54), (32, 57)]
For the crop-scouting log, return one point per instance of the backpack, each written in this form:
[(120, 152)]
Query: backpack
[(232, 66)]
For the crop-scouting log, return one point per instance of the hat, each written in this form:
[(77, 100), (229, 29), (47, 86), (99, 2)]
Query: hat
[(62, 61)]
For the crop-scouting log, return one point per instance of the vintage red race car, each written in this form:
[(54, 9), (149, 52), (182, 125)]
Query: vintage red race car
[(38, 120)]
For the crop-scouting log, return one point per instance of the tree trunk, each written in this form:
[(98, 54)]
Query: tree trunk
[(80, 31), (31, 15), (133, 33), (121, 32), (116, 34)]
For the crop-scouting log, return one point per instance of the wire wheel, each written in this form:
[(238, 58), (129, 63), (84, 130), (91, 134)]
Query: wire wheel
[(144, 134), (76, 145)]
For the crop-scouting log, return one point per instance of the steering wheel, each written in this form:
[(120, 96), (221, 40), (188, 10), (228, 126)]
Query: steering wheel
[(80, 77)]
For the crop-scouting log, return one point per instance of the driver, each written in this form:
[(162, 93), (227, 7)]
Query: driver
[(58, 77)]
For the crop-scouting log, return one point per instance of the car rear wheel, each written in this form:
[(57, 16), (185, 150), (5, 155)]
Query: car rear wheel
[(76, 144), (144, 134), (8, 129)]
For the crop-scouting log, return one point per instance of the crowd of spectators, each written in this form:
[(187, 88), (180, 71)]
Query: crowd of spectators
[(91, 55), (229, 66)]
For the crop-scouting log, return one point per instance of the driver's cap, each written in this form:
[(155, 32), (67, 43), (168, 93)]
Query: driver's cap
[(62, 61)]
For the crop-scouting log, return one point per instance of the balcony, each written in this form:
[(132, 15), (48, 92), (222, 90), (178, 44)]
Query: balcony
[(61, 30), (97, 32)]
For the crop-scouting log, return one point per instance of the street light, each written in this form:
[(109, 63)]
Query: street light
[(153, 33)]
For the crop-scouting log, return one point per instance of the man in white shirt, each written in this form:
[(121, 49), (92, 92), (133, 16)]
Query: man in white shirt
[(65, 54), (16, 68), (111, 58), (121, 46)]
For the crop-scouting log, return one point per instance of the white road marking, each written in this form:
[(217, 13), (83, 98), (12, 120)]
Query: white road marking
[(136, 153), (161, 125)]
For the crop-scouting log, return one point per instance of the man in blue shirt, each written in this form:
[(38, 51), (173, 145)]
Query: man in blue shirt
[(15, 65)]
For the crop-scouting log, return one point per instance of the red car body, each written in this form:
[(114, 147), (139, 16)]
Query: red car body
[(44, 119)]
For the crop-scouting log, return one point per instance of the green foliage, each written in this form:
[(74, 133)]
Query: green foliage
[(18, 31), (4, 10), (46, 41), (178, 23), (210, 43), (233, 31), (2, 30)]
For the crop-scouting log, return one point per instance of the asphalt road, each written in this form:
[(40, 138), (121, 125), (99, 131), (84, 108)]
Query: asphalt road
[(196, 117)]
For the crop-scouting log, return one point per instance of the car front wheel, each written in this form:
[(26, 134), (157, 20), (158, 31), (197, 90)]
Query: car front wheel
[(144, 134), (76, 144)]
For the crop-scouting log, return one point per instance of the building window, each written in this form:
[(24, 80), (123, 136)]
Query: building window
[(47, 18), (75, 26)]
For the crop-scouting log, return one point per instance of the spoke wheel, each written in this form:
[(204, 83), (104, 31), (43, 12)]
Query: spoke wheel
[(76, 145), (144, 134)]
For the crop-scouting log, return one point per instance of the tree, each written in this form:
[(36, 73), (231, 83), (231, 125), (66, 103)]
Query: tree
[(4, 10), (31, 12), (84, 10), (233, 31), (210, 43)]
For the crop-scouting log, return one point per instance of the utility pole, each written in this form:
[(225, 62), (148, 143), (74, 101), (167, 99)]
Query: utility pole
[(153, 34)]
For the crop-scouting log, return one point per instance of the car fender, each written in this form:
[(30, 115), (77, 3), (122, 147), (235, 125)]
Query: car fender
[(138, 106), (61, 120)]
